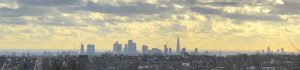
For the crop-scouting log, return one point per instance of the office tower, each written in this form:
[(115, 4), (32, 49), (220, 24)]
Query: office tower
[(156, 51), (170, 51), (166, 50), (81, 49), (268, 50), (144, 49), (125, 49), (257, 52), (183, 50), (117, 48), (196, 51), (178, 46), (91, 49), (278, 51), (282, 50), (131, 48)]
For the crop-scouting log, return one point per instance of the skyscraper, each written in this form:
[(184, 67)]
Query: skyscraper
[(156, 51), (183, 50), (117, 48), (131, 48), (282, 50), (166, 50), (196, 51), (178, 46), (170, 51), (91, 49), (268, 50), (81, 49), (144, 49), (126, 49)]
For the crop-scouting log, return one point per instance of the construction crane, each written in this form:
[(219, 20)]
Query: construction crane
[(295, 47)]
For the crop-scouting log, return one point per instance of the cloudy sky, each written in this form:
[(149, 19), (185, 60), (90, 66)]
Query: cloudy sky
[(203, 24)]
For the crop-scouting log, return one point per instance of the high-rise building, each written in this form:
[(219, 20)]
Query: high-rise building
[(144, 49), (257, 52), (91, 49), (166, 50), (81, 49), (196, 51), (178, 46), (117, 48), (282, 51), (268, 50), (126, 49), (183, 50), (170, 51), (156, 51), (131, 48)]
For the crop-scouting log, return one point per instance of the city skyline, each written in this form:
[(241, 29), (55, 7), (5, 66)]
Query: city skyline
[(150, 34), (130, 49), (225, 25)]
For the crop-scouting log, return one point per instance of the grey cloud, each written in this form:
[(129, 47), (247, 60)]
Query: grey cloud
[(125, 9), (223, 3), (57, 21), (219, 12), (26, 11), (49, 2), (289, 7), (13, 16), (182, 2), (12, 20), (205, 10), (253, 17)]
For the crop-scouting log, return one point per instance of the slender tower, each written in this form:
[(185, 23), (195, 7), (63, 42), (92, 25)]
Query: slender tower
[(166, 50), (81, 49), (178, 46)]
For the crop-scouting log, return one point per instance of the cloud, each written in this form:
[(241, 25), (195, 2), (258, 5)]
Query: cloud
[(289, 7), (27, 11), (125, 9), (8, 4), (49, 2), (239, 16), (222, 3), (206, 10), (254, 17)]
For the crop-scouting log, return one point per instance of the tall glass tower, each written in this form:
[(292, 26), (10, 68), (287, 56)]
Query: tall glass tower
[(81, 49), (178, 46)]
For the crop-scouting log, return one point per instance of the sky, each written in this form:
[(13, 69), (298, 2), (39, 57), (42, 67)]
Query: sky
[(241, 25)]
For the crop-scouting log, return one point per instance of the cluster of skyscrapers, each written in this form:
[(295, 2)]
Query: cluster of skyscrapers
[(90, 50), (131, 49), (269, 51)]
